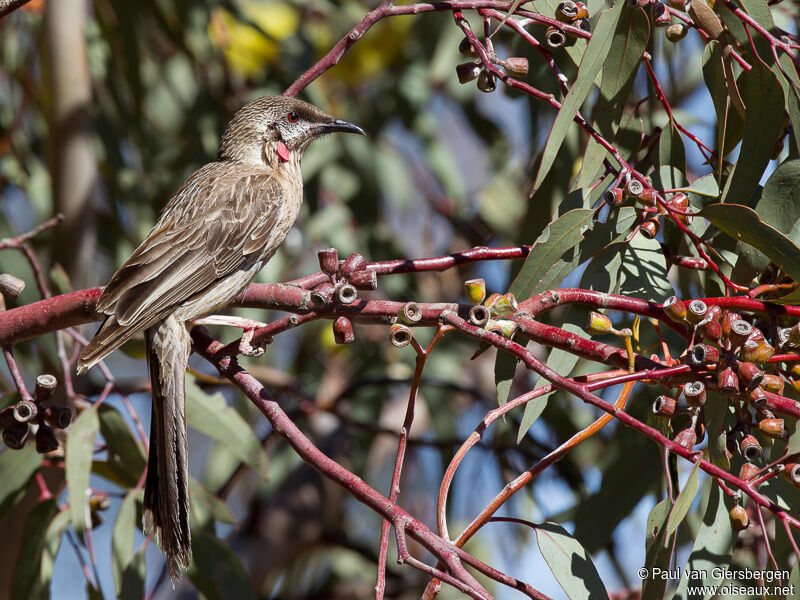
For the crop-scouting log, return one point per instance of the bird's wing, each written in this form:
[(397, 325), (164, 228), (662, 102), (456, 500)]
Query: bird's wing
[(213, 226)]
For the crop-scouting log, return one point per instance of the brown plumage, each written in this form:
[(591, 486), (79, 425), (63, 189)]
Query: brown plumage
[(218, 230)]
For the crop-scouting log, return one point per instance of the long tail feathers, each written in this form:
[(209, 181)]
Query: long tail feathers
[(166, 490)]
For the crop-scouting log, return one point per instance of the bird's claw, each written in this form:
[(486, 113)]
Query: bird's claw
[(248, 349)]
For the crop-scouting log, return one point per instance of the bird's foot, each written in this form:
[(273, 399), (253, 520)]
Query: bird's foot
[(248, 327)]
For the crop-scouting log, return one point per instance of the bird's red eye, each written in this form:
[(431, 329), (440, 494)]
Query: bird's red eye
[(292, 117)]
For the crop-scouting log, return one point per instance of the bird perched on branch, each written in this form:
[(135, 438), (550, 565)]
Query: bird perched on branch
[(219, 229)]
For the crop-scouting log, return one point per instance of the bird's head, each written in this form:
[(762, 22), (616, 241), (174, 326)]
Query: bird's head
[(276, 129)]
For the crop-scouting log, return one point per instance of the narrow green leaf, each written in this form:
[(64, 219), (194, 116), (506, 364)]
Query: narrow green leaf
[(571, 565), (656, 554), (592, 62), (742, 223), (683, 502), (78, 464), (126, 457), (716, 411), (217, 572), (52, 542), (16, 469), (122, 539), (730, 125), (763, 97), (704, 186), (206, 506), (713, 547), (133, 577), (786, 72), (211, 415), (27, 582), (643, 273)]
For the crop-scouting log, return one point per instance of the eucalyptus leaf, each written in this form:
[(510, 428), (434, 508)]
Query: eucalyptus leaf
[(78, 464), (571, 565)]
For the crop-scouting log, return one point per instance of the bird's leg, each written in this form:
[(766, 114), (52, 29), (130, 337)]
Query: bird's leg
[(248, 327)]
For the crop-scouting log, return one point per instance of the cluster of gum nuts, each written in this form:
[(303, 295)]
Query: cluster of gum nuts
[(636, 191), (31, 416), (736, 356)]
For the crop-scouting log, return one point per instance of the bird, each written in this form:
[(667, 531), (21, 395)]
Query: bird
[(214, 235)]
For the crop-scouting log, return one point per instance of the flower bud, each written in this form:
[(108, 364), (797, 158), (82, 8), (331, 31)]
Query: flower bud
[(475, 290), (502, 327), (614, 196), (727, 381), (400, 335), (676, 32), (58, 417), (343, 331), (25, 411), (410, 313), (696, 311), (792, 474), (634, 188), (773, 428), (695, 393), (757, 335), (740, 330), (674, 309), (687, 438), (757, 397), (739, 519), (467, 72), (478, 315), (757, 352), (772, 383), (750, 374), (728, 318), (567, 11), (466, 48), (14, 436), (486, 82), (710, 329), (649, 228), (346, 294), (679, 4), (583, 12), (748, 471), (364, 280), (701, 354), (659, 14), (664, 406), (45, 386), (46, 440), (328, 260), (11, 286), (598, 324), (516, 66), (750, 448), (554, 37), (355, 262)]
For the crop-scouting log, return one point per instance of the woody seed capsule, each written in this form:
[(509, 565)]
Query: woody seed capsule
[(46, 440), (502, 327), (58, 417), (323, 294), (346, 294), (614, 196), (748, 471), (634, 188), (701, 354), (478, 315), (7, 417), (674, 309), (467, 72), (14, 436), (45, 386), (504, 305), (750, 373), (583, 12), (466, 48), (792, 474), (695, 393), (567, 11), (410, 313), (343, 331), (664, 406), (710, 328), (773, 428), (728, 317), (757, 352), (328, 260), (687, 438), (516, 66), (11, 286), (25, 411), (772, 383), (794, 335), (355, 262), (400, 335), (757, 397), (750, 448), (727, 381), (583, 24), (739, 519), (649, 228), (676, 32), (739, 332), (554, 37), (659, 14), (696, 311), (364, 280), (486, 82), (475, 290)]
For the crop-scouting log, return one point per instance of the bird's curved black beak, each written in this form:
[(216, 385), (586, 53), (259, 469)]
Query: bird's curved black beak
[(341, 126)]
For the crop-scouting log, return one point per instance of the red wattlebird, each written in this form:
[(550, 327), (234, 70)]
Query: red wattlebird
[(219, 229)]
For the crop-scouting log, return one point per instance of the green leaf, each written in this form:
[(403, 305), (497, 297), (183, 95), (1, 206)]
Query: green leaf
[(122, 539), (211, 415), (27, 582), (656, 553), (780, 199), (742, 223), (764, 100), (133, 577), (206, 506), (16, 469), (713, 546), (643, 273), (592, 62), (562, 362), (730, 125), (126, 457), (52, 543), (217, 573), (570, 563), (786, 72), (78, 464), (716, 411), (683, 502)]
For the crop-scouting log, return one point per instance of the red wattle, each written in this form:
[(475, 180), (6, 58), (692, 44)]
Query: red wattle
[(283, 151)]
